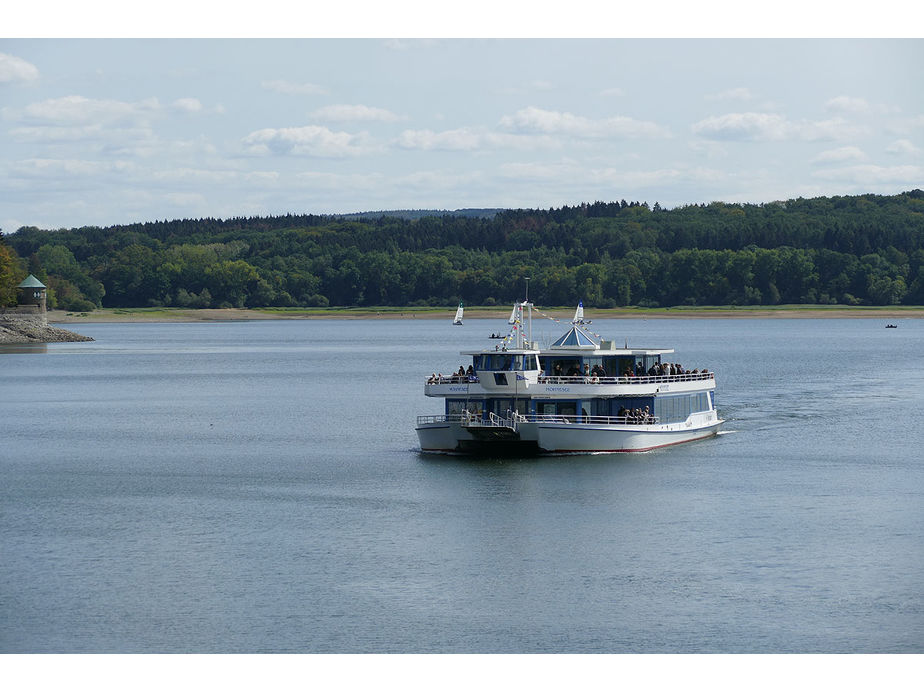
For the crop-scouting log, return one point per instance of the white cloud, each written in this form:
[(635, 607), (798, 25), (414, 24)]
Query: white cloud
[(194, 176), (352, 113), (903, 147), (462, 139), (186, 199), (532, 120), (847, 104), (79, 110), (869, 175), (839, 155), (581, 175), (751, 126), (285, 87), (188, 105), (736, 94), (13, 69), (321, 180), (67, 168), (310, 140), (470, 140)]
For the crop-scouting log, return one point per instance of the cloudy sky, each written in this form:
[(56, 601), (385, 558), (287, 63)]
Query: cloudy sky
[(109, 131)]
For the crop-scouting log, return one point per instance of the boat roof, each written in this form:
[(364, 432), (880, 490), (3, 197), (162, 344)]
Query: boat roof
[(575, 338), (575, 342)]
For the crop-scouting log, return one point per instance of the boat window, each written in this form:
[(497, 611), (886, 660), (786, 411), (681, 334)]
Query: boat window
[(630, 403), (556, 408), (675, 408), (500, 406)]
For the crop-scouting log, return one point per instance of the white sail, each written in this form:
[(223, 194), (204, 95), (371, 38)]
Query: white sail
[(458, 319), (579, 314), (513, 314)]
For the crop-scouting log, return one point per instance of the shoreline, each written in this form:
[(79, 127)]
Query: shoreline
[(109, 315)]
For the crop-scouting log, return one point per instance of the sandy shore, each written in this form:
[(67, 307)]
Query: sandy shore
[(236, 314)]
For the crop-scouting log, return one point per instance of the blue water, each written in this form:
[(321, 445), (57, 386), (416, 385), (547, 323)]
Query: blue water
[(254, 487)]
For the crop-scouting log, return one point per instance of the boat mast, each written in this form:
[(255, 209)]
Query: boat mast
[(529, 310)]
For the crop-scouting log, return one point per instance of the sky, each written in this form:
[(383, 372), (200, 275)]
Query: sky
[(103, 131)]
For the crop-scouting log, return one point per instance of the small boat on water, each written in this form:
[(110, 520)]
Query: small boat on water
[(579, 315), (580, 394), (458, 319), (890, 325)]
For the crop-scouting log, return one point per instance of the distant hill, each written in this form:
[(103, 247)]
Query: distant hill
[(414, 214), (847, 250)]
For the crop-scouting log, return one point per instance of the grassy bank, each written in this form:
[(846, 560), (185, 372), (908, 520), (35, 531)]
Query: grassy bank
[(478, 312)]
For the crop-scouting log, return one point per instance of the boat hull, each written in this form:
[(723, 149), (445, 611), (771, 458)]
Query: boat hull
[(562, 438)]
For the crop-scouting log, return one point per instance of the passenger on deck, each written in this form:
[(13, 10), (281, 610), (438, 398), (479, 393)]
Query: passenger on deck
[(557, 371), (431, 379), (574, 370)]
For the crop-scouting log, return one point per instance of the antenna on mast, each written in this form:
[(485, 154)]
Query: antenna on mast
[(527, 290)]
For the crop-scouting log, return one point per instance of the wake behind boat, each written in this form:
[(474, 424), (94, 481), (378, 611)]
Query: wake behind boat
[(581, 394)]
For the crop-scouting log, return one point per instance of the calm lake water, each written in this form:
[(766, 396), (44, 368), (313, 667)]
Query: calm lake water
[(255, 487)]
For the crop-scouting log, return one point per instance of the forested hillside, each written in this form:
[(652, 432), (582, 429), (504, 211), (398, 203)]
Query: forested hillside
[(866, 249)]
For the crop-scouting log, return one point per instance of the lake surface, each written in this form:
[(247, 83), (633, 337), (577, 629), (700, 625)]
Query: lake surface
[(255, 487)]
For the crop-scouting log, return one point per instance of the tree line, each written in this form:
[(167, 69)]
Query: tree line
[(851, 250)]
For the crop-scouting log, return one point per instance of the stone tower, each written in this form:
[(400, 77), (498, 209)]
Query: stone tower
[(32, 293)]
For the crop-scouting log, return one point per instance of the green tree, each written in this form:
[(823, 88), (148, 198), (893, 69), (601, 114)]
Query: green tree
[(10, 274)]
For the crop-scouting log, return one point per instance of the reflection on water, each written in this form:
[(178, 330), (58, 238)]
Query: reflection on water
[(23, 348), (255, 487)]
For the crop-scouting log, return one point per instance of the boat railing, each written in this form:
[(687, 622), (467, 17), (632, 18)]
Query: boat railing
[(451, 379), (585, 379), (623, 379), (512, 419)]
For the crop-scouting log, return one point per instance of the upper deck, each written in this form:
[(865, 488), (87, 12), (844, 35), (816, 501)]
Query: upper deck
[(577, 364), (577, 385)]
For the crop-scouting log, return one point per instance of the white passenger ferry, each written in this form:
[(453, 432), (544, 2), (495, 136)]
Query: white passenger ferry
[(581, 394)]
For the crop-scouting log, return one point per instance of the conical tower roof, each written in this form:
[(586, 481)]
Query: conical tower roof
[(31, 282)]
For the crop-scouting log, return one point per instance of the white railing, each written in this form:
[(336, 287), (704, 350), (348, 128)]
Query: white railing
[(624, 379), (451, 379), (584, 379), (512, 419)]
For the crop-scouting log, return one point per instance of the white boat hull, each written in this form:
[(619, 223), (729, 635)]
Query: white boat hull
[(564, 438)]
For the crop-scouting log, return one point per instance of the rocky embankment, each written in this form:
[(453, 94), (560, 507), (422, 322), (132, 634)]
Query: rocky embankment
[(18, 331)]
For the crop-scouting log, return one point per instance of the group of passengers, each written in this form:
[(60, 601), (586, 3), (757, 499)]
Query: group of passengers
[(590, 375), (662, 368), (636, 416), (460, 376)]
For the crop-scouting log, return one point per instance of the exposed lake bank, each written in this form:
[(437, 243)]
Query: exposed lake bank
[(32, 332), (236, 314)]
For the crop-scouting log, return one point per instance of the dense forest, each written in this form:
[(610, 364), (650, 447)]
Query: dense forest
[(851, 250)]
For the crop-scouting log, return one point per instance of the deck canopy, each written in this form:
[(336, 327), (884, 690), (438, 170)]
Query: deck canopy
[(575, 338)]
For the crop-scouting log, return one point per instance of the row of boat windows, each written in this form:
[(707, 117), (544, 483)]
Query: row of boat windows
[(505, 362), (612, 365), (665, 408)]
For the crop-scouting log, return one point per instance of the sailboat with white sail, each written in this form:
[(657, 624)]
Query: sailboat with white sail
[(579, 315), (458, 319)]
